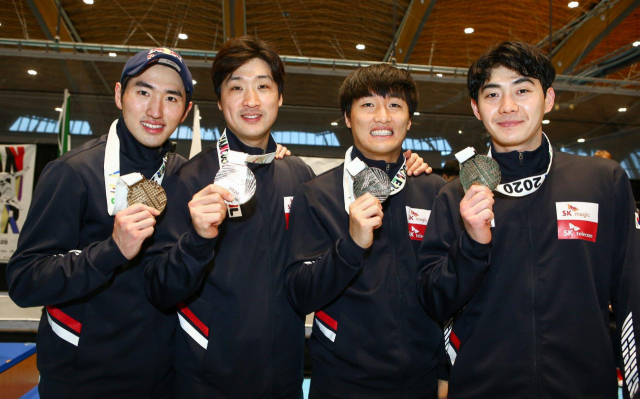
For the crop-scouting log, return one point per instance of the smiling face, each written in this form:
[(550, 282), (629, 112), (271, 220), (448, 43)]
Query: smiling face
[(249, 101), (511, 108), (153, 104), (379, 126)]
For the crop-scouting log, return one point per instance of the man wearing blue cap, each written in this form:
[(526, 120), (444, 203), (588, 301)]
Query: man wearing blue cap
[(79, 252)]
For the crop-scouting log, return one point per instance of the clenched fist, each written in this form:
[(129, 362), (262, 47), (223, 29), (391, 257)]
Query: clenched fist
[(208, 210), (476, 209), (365, 215), (132, 226)]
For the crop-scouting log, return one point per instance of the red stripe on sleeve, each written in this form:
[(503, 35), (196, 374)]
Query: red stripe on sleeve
[(195, 320), (65, 318), (327, 319), (454, 340)]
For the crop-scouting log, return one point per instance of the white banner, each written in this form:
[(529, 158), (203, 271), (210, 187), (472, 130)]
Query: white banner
[(17, 164), (321, 165)]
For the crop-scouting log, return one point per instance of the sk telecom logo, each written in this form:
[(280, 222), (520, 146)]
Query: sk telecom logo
[(577, 220)]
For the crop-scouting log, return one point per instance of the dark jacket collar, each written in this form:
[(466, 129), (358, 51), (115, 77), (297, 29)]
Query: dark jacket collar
[(137, 154), (392, 168), (237, 145), (516, 165)]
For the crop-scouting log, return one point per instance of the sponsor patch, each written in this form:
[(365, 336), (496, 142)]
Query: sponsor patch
[(577, 220), (417, 220), (287, 209)]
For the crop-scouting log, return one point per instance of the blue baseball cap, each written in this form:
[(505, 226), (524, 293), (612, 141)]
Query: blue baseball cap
[(163, 56)]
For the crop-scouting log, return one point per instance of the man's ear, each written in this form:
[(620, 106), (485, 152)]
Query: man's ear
[(549, 100), (347, 121), (280, 101), (118, 95), (474, 107), (186, 112)]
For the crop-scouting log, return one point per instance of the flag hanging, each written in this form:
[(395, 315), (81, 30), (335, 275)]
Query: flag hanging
[(196, 143), (64, 139)]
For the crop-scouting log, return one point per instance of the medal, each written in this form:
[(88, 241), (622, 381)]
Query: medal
[(149, 193), (478, 169), (234, 174), (358, 179), (239, 180), (374, 181)]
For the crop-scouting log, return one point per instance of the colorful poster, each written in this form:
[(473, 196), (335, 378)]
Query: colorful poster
[(17, 164)]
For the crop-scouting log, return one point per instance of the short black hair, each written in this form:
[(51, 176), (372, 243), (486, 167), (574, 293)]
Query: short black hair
[(378, 79), (520, 57), (238, 51), (451, 168)]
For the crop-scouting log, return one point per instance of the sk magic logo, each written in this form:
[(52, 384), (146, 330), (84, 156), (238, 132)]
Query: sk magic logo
[(163, 50), (573, 211)]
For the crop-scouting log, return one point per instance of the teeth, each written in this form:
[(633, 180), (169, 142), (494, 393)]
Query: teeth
[(150, 126), (251, 116), (381, 132)]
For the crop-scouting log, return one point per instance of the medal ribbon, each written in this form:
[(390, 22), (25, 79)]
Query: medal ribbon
[(397, 183), (224, 153), (527, 185), (112, 167)]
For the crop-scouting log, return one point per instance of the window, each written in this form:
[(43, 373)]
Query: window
[(36, 124)]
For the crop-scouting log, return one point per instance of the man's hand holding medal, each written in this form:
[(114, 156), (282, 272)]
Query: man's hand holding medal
[(365, 215), (208, 209), (479, 175), (132, 226)]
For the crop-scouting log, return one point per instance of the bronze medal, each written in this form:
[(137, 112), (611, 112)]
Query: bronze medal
[(148, 193)]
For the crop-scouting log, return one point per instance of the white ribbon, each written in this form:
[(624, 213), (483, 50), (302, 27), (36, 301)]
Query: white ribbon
[(527, 185), (227, 155), (354, 166), (115, 190)]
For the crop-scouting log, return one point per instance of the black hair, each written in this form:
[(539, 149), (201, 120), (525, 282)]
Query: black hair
[(522, 58), (451, 168), (379, 79)]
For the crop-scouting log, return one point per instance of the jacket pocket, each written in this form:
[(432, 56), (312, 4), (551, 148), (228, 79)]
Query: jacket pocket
[(58, 338), (195, 334), (325, 329)]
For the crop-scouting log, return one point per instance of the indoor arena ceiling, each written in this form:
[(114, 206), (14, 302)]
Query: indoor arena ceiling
[(595, 39)]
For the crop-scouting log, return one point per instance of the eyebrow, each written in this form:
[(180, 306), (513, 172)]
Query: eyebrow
[(149, 86), (257, 77), (522, 80), (515, 82)]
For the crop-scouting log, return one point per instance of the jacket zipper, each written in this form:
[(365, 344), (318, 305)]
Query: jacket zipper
[(397, 271), (266, 207), (533, 297)]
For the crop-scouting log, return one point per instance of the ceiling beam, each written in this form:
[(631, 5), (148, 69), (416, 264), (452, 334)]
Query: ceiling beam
[(234, 21), (568, 54), (409, 31)]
